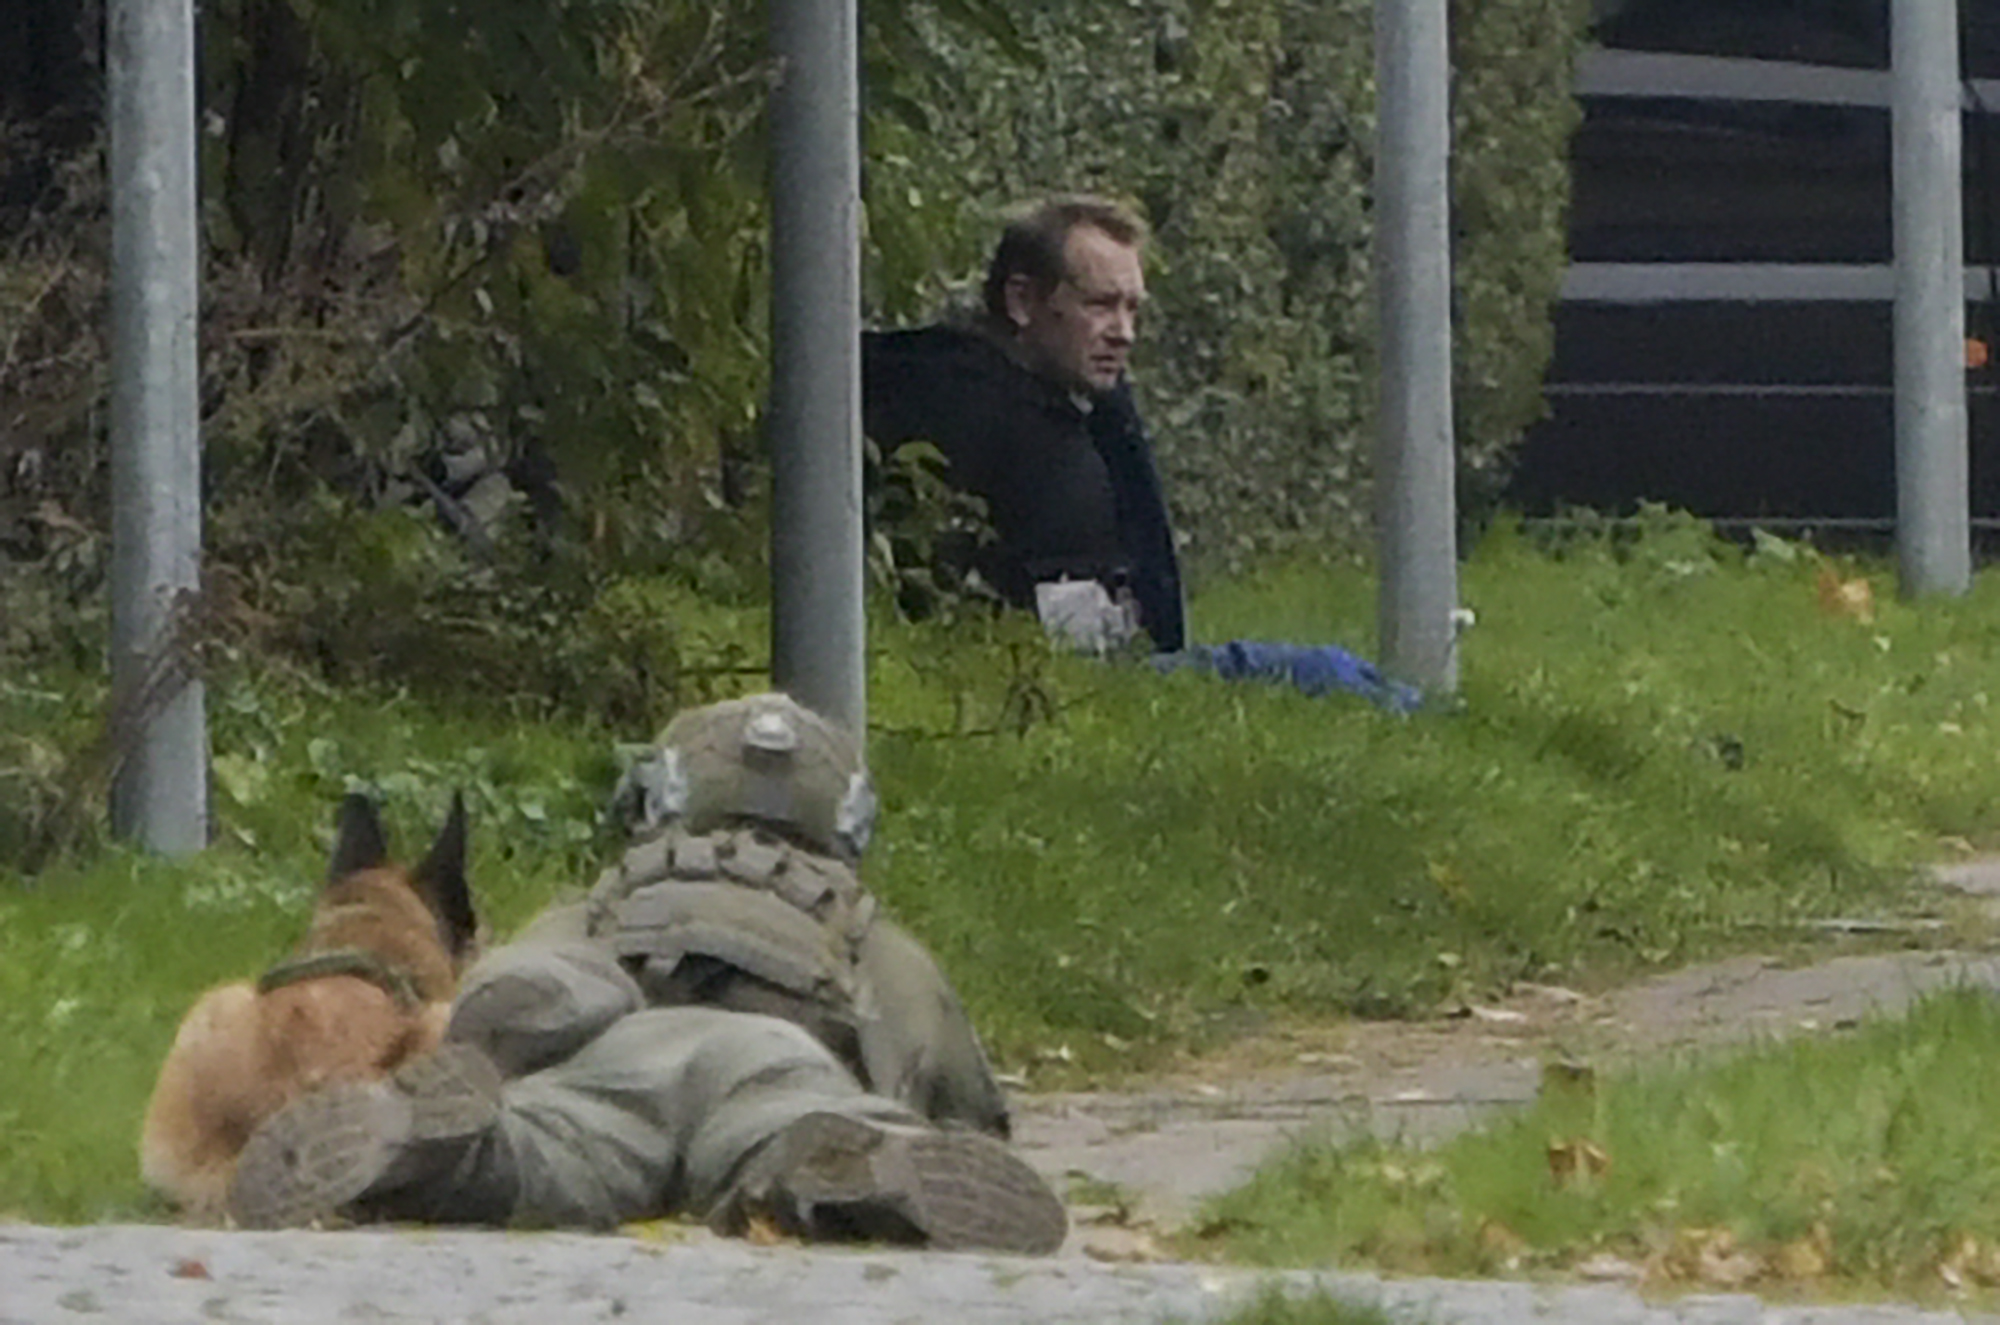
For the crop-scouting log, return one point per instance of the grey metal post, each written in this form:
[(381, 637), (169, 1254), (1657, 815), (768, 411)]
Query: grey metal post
[(818, 632), (1415, 467), (1933, 515), (161, 794)]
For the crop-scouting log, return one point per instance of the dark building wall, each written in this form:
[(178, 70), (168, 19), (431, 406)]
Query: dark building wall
[(1753, 389)]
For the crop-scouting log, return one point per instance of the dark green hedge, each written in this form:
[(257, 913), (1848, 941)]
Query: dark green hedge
[(547, 230), (1245, 128)]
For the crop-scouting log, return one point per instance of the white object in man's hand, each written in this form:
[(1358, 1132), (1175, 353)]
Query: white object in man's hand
[(1083, 614)]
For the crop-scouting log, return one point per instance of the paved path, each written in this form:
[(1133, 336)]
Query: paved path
[(1205, 1130), (168, 1276)]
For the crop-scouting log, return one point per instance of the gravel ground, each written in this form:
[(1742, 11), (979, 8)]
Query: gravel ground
[(165, 1276)]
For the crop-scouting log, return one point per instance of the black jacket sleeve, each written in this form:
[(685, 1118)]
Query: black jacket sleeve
[(1143, 525)]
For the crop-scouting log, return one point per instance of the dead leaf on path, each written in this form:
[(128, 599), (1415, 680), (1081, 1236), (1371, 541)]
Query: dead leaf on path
[(1731, 1270), (1711, 1257), (1607, 1268), (189, 1269), (1081, 1215), (1548, 993), (1117, 1245), (763, 1231)]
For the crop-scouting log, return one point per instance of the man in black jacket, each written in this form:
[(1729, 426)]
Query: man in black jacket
[(1031, 407)]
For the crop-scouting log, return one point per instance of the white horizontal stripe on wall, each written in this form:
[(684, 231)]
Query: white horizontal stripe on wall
[(1607, 73), (1747, 282)]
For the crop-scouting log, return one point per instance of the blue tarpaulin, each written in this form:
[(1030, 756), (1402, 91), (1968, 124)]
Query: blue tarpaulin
[(1312, 669)]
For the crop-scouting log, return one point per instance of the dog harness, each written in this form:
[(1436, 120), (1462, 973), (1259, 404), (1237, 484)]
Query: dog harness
[(390, 979)]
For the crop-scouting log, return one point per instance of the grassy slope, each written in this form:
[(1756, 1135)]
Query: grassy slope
[(1161, 850), (1864, 1162)]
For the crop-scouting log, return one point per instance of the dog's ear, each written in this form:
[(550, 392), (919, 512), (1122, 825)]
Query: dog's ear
[(442, 877), (358, 843)]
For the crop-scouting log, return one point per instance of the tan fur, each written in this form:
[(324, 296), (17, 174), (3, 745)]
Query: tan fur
[(241, 1055)]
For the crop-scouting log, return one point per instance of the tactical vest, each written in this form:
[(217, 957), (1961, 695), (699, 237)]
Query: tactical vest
[(679, 906)]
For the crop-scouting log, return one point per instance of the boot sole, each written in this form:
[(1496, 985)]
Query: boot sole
[(961, 1191), (321, 1153)]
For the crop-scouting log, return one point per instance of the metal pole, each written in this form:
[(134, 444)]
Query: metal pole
[(161, 793), (818, 633), (1933, 512), (1415, 463)]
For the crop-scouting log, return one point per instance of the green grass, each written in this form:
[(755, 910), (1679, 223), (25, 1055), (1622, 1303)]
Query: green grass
[(1108, 861), (1864, 1162), (1274, 1307)]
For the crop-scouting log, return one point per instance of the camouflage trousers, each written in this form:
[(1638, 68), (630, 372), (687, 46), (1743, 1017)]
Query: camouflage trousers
[(613, 1111)]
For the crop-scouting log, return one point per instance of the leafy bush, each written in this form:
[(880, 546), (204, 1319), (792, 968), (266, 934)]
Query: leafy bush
[(1245, 132), (534, 251)]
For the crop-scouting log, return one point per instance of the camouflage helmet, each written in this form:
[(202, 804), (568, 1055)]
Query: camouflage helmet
[(767, 759)]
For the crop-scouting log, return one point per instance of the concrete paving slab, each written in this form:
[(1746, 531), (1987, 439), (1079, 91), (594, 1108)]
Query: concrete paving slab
[(1171, 1144), (173, 1276)]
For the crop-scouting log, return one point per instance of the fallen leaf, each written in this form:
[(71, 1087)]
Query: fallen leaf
[(762, 1231), (189, 1269), (1711, 1257), (1730, 1269), (1971, 1259), (1802, 1258), (1550, 993), (1116, 1245), (1497, 1238), (1853, 598), (1607, 1268), (1083, 1215), (1577, 1161)]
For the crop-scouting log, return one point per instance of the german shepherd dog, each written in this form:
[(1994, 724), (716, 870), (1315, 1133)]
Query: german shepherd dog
[(368, 988)]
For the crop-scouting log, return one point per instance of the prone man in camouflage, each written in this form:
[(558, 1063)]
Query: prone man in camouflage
[(727, 1026)]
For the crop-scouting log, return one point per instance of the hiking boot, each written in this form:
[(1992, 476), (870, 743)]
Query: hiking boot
[(323, 1153), (832, 1178)]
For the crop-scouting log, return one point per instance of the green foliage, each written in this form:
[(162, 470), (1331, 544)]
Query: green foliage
[(537, 240), (1511, 124), (573, 218), (1274, 1306), (97, 967), (1244, 130), (922, 533), (1868, 1158)]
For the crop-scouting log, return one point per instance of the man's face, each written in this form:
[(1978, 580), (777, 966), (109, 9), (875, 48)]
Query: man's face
[(1080, 333)]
